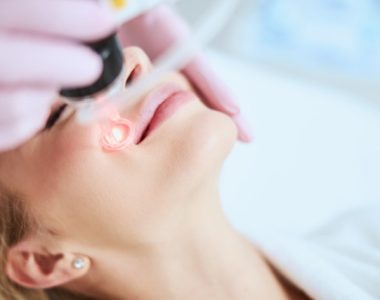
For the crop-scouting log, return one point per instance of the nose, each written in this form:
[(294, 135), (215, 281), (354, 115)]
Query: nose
[(118, 131), (137, 64)]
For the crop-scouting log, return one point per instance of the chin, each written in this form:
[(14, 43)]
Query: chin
[(198, 140), (211, 138)]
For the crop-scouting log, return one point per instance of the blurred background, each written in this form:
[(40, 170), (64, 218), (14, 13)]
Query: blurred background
[(307, 75), (335, 42)]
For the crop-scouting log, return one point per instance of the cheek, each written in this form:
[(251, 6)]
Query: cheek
[(135, 188), (88, 199), (73, 146), (75, 138), (64, 153)]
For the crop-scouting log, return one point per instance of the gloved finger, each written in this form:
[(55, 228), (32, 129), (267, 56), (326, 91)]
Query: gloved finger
[(80, 19), (22, 114), (171, 29), (154, 31), (30, 59), (245, 134), (216, 95), (214, 91), (17, 103)]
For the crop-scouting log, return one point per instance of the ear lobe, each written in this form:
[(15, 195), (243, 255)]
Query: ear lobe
[(33, 267)]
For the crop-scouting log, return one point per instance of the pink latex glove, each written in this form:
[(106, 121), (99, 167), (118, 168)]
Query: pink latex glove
[(40, 52), (155, 31)]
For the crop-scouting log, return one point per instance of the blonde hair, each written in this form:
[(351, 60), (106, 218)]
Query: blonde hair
[(15, 224)]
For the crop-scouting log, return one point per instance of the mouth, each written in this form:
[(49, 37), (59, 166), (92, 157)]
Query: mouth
[(159, 106)]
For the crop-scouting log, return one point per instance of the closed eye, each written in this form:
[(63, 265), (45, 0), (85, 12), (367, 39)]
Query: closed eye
[(54, 116)]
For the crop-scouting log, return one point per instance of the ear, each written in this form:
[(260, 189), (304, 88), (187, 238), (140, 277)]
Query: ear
[(32, 265)]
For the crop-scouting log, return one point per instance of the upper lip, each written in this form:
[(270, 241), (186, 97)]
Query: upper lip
[(151, 103)]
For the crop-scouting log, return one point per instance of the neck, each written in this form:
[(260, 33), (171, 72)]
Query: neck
[(208, 259)]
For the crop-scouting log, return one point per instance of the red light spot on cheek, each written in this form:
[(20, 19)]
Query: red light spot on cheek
[(117, 135)]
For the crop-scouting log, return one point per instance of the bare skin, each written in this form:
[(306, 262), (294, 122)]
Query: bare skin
[(147, 221), (206, 259)]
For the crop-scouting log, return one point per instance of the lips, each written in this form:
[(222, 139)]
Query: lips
[(168, 108), (160, 105)]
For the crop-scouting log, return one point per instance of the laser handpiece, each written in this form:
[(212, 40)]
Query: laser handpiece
[(177, 56), (117, 133), (110, 51)]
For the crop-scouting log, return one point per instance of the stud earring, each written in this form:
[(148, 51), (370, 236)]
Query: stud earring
[(79, 263)]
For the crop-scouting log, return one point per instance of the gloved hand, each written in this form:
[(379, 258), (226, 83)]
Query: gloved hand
[(155, 31), (39, 54)]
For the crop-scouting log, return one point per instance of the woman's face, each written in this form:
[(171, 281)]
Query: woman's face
[(79, 192)]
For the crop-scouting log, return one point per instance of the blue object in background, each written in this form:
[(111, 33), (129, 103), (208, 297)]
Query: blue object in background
[(336, 36)]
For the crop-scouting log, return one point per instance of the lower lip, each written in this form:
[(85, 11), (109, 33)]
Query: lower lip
[(168, 108)]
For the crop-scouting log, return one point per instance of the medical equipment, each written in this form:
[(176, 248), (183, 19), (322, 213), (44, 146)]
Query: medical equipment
[(117, 134), (109, 81), (110, 87), (110, 51)]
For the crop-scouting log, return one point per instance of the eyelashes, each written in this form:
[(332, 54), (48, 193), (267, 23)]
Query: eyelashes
[(56, 114), (54, 117)]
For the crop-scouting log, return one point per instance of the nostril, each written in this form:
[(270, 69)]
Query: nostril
[(133, 75)]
